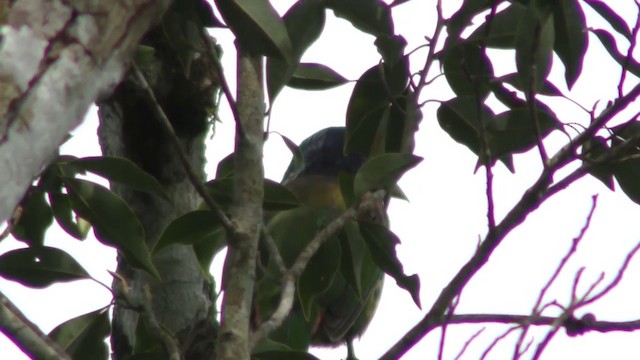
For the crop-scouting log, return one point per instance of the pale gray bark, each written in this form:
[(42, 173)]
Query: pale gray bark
[(56, 58)]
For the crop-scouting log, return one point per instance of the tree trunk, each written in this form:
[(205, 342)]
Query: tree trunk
[(184, 300)]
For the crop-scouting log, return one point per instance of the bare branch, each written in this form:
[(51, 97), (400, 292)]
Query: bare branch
[(531, 200), (630, 51), (468, 342), (433, 42), (618, 277), (273, 250), (497, 340), (572, 250), (26, 334)]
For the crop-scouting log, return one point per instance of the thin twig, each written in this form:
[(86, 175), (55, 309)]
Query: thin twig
[(432, 50), (193, 178), (484, 144), (495, 341), (273, 250), (572, 250), (630, 51), (618, 277), (468, 342)]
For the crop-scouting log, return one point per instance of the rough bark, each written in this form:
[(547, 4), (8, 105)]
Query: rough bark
[(56, 58), (183, 302), (245, 211)]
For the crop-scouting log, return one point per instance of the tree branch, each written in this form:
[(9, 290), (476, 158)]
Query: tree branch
[(531, 200), (245, 210), (537, 310), (26, 334), (589, 323), (56, 59)]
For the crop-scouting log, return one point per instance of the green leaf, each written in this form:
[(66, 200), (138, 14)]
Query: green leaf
[(391, 48), (276, 196), (629, 64), (461, 19), (40, 267), (84, 337), (571, 38), (257, 26), (304, 22), (503, 28), (615, 20), (593, 150), (122, 171), (225, 167), (297, 162), (513, 79), (346, 188), (513, 131), (382, 242), (459, 119), (64, 215), (627, 171), (283, 355), (312, 76), (191, 228), (372, 97), (114, 223), (534, 48), (206, 251), (370, 16), (383, 172), (468, 70), (35, 219)]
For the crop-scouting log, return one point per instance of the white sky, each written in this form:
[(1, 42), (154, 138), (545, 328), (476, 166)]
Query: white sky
[(443, 221)]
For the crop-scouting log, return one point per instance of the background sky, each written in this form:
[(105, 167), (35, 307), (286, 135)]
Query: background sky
[(441, 224)]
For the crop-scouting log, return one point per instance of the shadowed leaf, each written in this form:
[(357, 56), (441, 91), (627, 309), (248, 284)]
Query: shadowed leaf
[(312, 76), (40, 267), (382, 172), (382, 242), (122, 171), (83, 337), (114, 223)]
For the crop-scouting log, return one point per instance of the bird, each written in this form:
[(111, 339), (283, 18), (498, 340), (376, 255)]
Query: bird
[(339, 290)]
